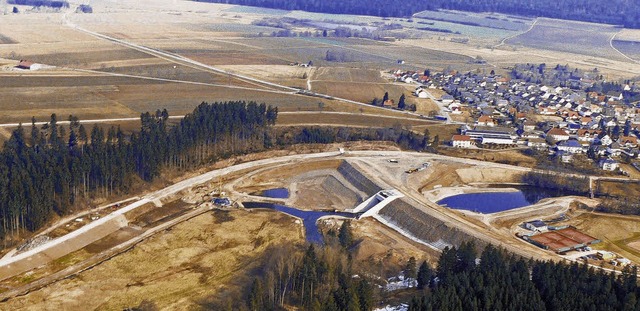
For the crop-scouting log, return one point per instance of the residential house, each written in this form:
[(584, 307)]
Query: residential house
[(570, 146), (557, 134)]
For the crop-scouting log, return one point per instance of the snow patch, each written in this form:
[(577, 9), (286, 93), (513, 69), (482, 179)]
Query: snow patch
[(399, 282), (402, 307)]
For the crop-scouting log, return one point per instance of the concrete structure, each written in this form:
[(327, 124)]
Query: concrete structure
[(375, 203)]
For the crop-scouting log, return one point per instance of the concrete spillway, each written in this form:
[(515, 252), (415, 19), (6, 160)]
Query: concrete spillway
[(376, 202), (388, 207)]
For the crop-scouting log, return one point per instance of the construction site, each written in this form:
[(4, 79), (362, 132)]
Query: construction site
[(391, 204)]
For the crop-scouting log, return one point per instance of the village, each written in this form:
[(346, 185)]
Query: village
[(565, 112)]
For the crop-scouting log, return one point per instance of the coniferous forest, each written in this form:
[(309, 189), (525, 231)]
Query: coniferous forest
[(56, 166), (326, 278), (617, 12)]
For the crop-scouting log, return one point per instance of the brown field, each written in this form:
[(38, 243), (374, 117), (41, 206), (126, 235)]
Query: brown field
[(346, 119), (618, 233), (179, 268)]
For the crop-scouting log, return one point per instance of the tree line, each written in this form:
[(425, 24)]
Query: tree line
[(617, 12), (500, 281)]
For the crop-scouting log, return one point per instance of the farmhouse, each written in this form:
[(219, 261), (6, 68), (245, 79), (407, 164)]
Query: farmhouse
[(461, 141)]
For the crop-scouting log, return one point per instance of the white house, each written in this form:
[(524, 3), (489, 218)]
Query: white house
[(461, 141), (498, 140), (558, 134), (570, 146)]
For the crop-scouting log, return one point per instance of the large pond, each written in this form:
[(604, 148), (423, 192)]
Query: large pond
[(493, 202), (309, 218)]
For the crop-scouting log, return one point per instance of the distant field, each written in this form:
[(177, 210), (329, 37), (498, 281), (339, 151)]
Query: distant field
[(629, 48), (484, 20), (342, 120), (348, 75), (573, 37)]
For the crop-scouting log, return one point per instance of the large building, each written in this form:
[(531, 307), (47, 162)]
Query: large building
[(563, 240), (461, 141)]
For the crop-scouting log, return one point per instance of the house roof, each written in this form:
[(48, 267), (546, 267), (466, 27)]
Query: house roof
[(583, 132), (25, 64), (628, 140), (485, 119), (557, 132), (461, 138), (570, 143)]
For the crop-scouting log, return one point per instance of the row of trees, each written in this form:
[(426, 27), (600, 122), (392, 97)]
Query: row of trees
[(618, 12), (546, 180), (53, 168)]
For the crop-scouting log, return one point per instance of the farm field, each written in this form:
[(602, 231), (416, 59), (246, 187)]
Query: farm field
[(339, 119), (629, 48), (567, 36)]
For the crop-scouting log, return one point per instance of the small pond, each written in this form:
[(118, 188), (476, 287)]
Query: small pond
[(276, 193), (493, 202), (309, 218)]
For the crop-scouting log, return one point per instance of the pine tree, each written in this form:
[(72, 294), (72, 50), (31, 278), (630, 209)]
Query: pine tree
[(424, 275), (345, 236), (401, 102)]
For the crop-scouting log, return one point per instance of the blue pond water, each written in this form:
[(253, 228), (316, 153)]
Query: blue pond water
[(493, 202), (309, 218), (277, 193)]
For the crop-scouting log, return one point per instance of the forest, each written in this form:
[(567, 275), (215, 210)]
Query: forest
[(328, 278), (52, 170), (616, 12)]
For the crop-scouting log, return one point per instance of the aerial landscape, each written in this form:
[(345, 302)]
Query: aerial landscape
[(319, 155)]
